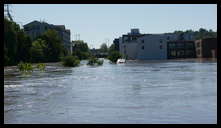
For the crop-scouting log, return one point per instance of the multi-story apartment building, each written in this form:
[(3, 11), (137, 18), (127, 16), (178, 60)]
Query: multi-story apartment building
[(36, 28)]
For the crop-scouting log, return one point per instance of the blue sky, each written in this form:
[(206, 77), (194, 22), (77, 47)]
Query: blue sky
[(99, 23)]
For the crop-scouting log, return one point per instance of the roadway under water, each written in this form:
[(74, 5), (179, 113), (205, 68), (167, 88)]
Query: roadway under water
[(157, 92)]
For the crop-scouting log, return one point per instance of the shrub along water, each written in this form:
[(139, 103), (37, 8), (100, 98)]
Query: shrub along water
[(70, 61), (114, 55), (41, 66), (94, 61), (25, 67)]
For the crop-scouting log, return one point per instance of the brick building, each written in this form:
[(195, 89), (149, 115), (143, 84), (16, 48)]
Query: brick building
[(206, 48)]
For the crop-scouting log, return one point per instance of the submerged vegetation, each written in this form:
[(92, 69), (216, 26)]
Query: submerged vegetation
[(25, 67), (93, 61), (114, 56), (70, 61), (41, 66), (28, 67)]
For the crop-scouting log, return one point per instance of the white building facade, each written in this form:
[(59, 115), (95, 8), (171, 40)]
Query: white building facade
[(146, 46), (154, 46)]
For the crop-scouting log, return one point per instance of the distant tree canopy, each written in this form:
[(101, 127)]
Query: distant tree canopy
[(112, 48), (103, 48), (200, 34), (80, 49)]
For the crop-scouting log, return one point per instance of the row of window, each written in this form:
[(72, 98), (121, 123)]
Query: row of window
[(161, 47), (181, 45), (175, 53), (161, 41)]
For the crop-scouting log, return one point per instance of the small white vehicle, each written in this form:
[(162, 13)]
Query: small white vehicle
[(121, 61)]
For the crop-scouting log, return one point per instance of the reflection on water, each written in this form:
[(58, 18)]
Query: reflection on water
[(181, 91)]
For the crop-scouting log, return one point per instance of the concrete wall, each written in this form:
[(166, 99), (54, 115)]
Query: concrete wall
[(154, 47), (131, 50)]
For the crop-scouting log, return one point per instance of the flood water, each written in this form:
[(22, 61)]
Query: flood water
[(156, 92)]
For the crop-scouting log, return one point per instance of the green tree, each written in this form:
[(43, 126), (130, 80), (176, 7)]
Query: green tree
[(113, 56), (81, 50), (103, 48), (38, 51), (54, 46), (16, 44), (24, 46), (10, 42), (112, 48)]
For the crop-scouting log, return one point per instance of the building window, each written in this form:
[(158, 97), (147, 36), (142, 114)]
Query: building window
[(168, 38), (189, 45), (172, 45), (189, 53), (142, 41), (198, 52), (133, 38), (161, 41), (142, 47), (180, 45), (173, 53), (161, 47), (181, 53), (198, 44)]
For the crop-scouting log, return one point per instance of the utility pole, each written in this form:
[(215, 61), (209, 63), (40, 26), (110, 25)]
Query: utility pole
[(78, 36), (7, 11), (75, 36)]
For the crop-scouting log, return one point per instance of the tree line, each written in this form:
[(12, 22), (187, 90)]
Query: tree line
[(200, 34), (18, 47)]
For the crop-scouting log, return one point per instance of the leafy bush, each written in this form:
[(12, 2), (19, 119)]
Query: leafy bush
[(94, 61), (100, 62), (114, 55), (70, 61), (41, 66), (25, 67)]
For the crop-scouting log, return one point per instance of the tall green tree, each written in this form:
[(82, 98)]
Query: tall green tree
[(24, 46), (80, 49), (10, 42), (38, 50), (54, 46)]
